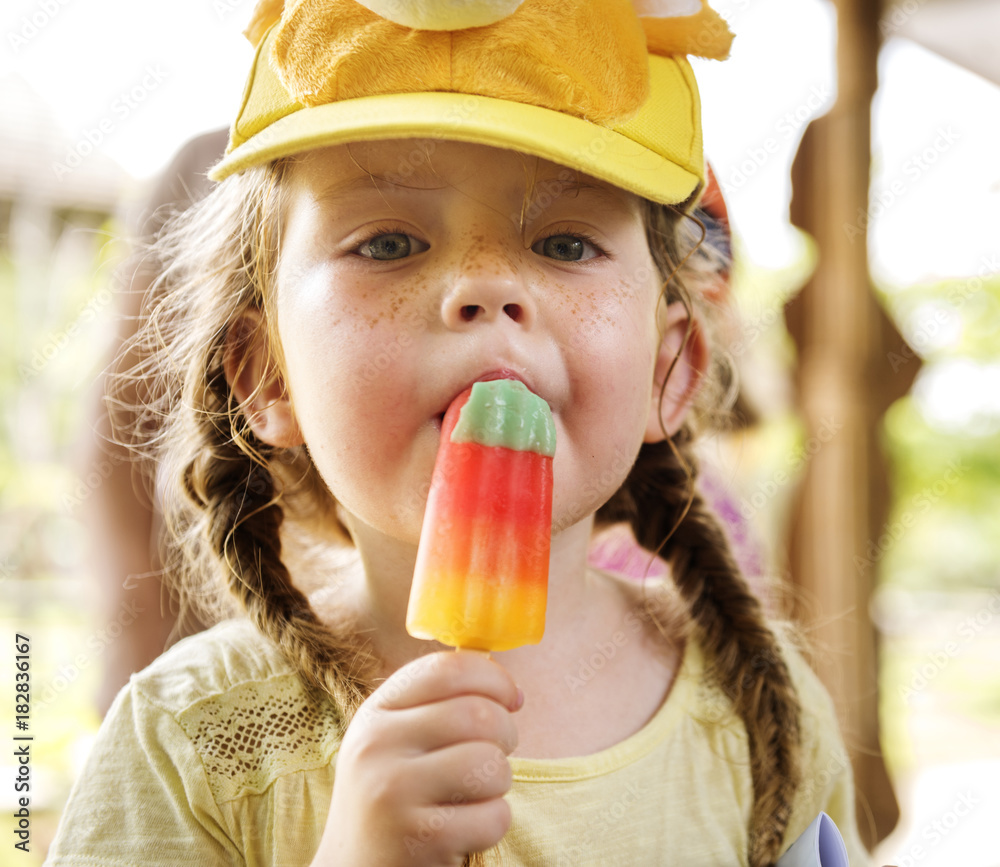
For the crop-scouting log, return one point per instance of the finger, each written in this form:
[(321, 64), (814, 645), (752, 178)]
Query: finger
[(444, 675), (457, 720), (462, 773), (447, 830), (476, 827)]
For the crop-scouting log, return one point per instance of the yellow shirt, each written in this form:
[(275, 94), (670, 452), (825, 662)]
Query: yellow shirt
[(215, 755)]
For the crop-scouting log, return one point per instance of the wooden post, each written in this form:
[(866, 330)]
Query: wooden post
[(844, 384)]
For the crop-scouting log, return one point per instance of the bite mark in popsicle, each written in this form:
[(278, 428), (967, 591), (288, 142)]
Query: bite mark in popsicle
[(481, 577)]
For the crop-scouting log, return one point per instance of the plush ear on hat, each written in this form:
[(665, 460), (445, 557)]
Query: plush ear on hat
[(265, 13), (684, 27)]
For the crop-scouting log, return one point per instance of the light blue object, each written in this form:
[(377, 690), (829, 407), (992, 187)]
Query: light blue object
[(819, 846)]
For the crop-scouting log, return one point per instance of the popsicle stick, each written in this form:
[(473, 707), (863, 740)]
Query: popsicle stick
[(478, 650)]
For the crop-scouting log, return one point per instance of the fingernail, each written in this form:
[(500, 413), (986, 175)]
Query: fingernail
[(519, 701)]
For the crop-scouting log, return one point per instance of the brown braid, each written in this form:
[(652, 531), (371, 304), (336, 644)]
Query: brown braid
[(245, 518), (668, 515), (224, 518)]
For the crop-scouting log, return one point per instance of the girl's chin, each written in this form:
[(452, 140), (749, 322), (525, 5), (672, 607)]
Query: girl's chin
[(402, 530)]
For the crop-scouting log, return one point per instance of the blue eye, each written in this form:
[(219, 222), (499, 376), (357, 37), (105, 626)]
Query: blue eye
[(389, 246), (565, 248)]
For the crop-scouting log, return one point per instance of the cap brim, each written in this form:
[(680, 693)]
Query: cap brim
[(605, 154)]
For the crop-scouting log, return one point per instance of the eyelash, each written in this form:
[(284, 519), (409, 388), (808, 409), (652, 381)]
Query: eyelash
[(392, 229), (578, 235), (379, 230)]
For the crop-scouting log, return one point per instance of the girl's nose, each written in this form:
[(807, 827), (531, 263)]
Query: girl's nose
[(487, 288)]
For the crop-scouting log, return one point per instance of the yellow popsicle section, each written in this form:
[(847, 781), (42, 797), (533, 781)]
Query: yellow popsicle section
[(481, 577)]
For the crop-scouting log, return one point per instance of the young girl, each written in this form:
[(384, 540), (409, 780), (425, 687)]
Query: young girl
[(414, 199)]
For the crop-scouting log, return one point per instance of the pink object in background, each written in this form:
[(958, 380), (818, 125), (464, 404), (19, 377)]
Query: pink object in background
[(615, 549)]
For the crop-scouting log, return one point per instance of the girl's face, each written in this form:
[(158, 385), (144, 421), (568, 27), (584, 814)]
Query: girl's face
[(409, 270)]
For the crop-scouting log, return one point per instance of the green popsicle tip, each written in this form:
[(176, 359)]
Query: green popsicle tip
[(504, 412)]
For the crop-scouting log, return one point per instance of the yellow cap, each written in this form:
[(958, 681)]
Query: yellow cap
[(601, 86)]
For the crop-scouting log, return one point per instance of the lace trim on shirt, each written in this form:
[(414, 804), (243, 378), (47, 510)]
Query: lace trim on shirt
[(256, 732)]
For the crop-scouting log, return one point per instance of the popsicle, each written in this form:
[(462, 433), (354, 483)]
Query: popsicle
[(482, 569)]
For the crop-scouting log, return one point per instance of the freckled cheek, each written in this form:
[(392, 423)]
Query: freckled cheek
[(607, 323), (358, 327)]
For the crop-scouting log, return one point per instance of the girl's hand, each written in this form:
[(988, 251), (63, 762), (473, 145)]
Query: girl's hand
[(423, 767)]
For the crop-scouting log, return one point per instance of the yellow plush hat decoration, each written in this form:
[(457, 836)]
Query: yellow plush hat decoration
[(602, 86)]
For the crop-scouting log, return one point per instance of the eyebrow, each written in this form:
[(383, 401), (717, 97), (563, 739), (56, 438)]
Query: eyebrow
[(552, 187), (340, 189), (578, 184), (545, 192)]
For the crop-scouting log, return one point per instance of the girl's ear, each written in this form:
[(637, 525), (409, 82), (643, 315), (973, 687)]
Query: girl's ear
[(257, 383), (692, 357)]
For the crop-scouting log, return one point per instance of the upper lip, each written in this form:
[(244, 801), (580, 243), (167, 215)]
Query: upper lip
[(499, 373), (494, 373)]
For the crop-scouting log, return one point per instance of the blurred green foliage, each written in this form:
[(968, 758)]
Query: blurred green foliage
[(946, 470), (939, 555), (57, 318)]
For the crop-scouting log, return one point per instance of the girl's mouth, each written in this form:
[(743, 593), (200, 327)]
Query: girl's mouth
[(488, 376)]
